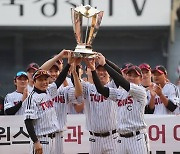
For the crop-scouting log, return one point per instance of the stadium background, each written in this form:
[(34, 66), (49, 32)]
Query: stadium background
[(153, 44)]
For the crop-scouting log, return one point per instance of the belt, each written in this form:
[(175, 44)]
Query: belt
[(51, 135), (131, 134), (103, 134)]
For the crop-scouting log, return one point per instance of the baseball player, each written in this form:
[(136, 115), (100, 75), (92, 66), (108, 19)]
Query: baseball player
[(40, 116), (31, 68), (148, 84), (73, 108), (65, 96), (131, 104), (13, 101), (124, 68), (167, 98), (101, 116)]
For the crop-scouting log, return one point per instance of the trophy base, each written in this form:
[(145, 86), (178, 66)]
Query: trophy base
[(84, 51)]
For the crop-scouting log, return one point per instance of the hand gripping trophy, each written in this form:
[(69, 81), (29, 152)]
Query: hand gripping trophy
[(84, 48)]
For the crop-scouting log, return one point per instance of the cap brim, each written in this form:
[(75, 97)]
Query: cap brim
[(47, 75), (34, 68), (22, 75), (132, 69), (155, 70), (145, 68), (124, 70)]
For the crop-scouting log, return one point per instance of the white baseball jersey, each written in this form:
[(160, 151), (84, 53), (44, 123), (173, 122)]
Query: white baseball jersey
[(69, 81), (101, 112), (29, 88), (13, 99), (39, 107), (172, 93), (131, 107), (65, 95)]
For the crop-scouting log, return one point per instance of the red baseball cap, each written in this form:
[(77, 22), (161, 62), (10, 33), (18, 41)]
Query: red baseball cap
[(136, 69), (34, 66), (161, 69), (125, 67), (145, 66)]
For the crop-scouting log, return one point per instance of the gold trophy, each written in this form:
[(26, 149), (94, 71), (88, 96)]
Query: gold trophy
[(84, 48)]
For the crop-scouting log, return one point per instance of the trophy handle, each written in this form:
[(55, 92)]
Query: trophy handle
[(96, 21), (77, 25)]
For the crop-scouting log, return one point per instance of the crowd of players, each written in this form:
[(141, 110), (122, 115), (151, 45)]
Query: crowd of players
[(114, 100)]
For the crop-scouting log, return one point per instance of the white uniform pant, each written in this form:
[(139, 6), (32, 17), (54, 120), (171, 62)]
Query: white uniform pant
[(50, 145), (138, 144), (59, 143), (104, 145)]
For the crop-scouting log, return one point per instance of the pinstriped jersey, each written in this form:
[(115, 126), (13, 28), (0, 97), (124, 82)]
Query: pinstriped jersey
[(13, 99), (172, 93), (65, 95), (101, 112), (131, 107), (29, 88), (39, 107)]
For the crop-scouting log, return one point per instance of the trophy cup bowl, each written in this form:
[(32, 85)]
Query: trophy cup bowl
[(84, 45)]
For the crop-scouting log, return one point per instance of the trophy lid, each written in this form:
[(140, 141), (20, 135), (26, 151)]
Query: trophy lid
[(87, 10)]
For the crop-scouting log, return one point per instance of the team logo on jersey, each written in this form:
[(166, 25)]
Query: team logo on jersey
[(123, 102), (46, 105), (59, 99), (158, 100), (97, 98)]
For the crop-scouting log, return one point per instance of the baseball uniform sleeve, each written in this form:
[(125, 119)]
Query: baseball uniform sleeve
[(8, 103), (71, 96), (173, 98), (31, 108), (174, 95), (138, 92), (52, 90)]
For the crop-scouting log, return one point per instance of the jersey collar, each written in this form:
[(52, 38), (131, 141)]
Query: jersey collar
[(38, 91)]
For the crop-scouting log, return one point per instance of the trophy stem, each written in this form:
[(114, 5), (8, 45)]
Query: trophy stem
[(87, 27)]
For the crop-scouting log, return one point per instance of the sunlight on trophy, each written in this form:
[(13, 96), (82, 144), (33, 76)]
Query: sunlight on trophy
[(85, 32)]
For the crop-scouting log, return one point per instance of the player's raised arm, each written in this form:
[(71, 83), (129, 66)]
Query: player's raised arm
[(77, 84), (60, 79), (120, 81), (48, 64), (114, 66)]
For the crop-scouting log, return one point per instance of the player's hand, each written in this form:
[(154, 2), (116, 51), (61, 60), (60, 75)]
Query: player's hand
[(77, 61), (152, 93), (70, 58), (73, 68), (25, 94), (38, 148), (101, 59), (63, 54), (158, 90), (90, 62)]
